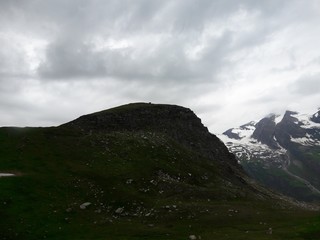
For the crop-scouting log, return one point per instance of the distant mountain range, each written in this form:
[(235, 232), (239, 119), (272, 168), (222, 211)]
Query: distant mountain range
[(281, 151)]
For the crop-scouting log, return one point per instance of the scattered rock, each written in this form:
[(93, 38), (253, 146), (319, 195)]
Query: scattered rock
[(119, 210), (70, 209), (85, 205), (192, 237), (129, 181), (153, 182)]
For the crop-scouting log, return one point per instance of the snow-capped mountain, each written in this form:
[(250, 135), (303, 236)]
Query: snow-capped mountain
[(282, 151)]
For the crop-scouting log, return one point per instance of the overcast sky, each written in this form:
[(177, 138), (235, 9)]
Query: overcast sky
[(230, 61)]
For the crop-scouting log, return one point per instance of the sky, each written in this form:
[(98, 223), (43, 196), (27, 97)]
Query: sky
[(230, 61)]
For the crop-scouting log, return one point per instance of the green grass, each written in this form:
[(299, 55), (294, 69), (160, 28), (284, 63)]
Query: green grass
[(166, 191), (280, 180)]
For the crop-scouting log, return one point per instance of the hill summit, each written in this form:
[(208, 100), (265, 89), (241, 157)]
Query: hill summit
[(178, 123)]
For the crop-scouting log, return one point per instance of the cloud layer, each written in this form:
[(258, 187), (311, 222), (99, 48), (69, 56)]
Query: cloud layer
[(230, 61)]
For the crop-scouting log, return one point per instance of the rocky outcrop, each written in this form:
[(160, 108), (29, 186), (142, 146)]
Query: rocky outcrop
[(231, 134), (288, 128), (265, 130), (316, 117)]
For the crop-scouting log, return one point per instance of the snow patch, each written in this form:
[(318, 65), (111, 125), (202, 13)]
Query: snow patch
[(305, 120), (248, 148), (244, 132), (278, 118), (6, 175), (307, 141)]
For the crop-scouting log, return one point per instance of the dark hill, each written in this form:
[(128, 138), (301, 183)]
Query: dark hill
[(139, 171), (177, 124)]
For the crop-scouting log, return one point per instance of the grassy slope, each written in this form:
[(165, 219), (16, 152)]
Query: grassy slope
[(276, 178), (164, 191), (305, 163)]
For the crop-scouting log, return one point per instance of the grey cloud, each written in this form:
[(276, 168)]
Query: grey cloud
[(14, 109), (70, 55), (128, 17), (156, 65), (306, 85), (73, 24), (166, 62), (12, 60), (71, 59)]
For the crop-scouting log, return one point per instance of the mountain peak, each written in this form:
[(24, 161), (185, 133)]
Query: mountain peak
[(276, 143), (265, 130), (316, 117), (290, 113)]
